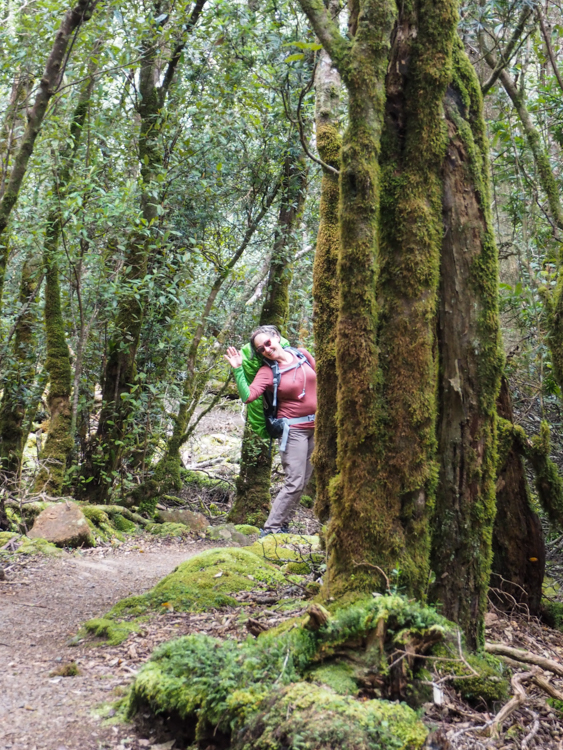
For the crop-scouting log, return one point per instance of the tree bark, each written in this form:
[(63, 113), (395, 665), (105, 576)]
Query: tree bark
[(470, 365), (518, 545), (72, 21), (59, 442), (325, 286)]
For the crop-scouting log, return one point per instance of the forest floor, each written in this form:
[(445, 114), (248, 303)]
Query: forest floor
[(44, 601)]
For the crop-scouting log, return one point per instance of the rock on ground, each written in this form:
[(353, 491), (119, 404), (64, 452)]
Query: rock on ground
[(63, 524)]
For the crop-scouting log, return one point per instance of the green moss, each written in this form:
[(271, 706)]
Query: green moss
[(282, 548), (204, 582), (168, 529), (313, 717), (109, 632), (339, 677), (246, 529), (66, 670), (490, 684), (252, 499), (221, 688), (307, 501), (38, 547), (553, 614), (5, 537), (297, 568), (123, 524)]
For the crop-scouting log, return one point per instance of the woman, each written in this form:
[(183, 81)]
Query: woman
[(296, 398)]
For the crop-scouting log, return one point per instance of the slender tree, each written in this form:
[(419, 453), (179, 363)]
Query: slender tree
[(50, 80), (59, 442)]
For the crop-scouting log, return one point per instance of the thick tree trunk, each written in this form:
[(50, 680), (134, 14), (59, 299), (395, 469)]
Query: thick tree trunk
[(59, 441), (470, 365), (518, 545), (325, 286), (362, 64), (252, 500), (72, 21), (18, 378)]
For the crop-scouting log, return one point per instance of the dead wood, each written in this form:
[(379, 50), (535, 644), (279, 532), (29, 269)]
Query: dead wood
[(527, 657)]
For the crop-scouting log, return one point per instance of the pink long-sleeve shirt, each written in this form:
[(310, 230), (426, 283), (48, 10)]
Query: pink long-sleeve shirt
[(290, 403)]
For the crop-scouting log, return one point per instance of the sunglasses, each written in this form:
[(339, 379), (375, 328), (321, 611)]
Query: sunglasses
[(266, 345)]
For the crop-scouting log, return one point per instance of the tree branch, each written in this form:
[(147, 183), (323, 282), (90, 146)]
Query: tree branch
[(506, 56), (549, 47), (327, 31), (177, 53)]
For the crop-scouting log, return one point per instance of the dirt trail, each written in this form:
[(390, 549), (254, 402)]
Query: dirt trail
[(41, 606)]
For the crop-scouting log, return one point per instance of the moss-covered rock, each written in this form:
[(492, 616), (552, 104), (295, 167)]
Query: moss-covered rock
[(489, 684), (246, 529), (38, 546), (5, 537), (339, 677), (168, 529)]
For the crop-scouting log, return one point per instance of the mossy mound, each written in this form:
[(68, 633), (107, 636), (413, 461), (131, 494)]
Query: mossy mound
[(280, 549), (5, 537), (102, 527), (246, 529), (222, 687), (38, 547), (204, 582), (489, 685), (110, 632), (168, 529), (311, 717)]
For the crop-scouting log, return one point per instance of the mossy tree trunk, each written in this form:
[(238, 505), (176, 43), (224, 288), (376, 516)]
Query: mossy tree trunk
[(49, 82), (59, 441), (518, 545), (252, 500), (120, 371), (18, 378), (325, 285), (471, 362), (381, 498)]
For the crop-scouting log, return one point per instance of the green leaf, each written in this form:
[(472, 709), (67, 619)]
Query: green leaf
[(293, 58)]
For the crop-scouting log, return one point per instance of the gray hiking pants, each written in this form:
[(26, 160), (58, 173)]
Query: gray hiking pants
[(296, 462)]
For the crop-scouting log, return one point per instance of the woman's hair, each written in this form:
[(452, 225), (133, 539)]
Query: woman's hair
[(268, 330)]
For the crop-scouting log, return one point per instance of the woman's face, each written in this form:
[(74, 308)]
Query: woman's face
[(268, 345)]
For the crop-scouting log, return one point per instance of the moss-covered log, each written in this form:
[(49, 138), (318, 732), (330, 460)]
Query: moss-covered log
[(17, 381), (470, 364), (325, 286)]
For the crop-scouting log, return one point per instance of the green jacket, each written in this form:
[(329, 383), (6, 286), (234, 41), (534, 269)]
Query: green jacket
[(251, 363)]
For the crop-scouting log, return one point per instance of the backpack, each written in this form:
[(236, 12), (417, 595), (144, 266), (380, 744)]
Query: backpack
[(276, 427)]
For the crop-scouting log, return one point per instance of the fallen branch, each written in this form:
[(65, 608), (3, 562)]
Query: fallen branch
[(518, 699), (527, 657), (532, 733), (125, 512), (546, 685)]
